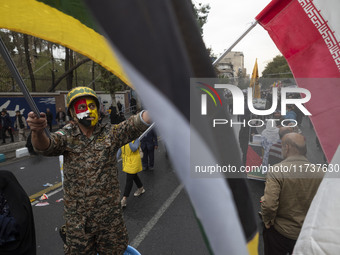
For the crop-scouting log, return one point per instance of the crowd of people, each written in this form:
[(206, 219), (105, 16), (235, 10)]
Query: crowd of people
[(7, 126), (93, 204), (19, 127)]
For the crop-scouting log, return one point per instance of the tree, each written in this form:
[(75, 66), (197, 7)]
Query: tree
[(201, 13), (70, 70), (28, 62), (277, 69), (17, 40), (111, 82), (7, 82), (68, 67), (46, 70), (93, 79)]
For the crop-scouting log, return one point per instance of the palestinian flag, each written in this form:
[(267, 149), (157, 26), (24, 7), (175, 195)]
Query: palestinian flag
[(254, 162), (159, 48)]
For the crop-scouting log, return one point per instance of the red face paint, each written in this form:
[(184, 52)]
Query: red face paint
[(80, 109)]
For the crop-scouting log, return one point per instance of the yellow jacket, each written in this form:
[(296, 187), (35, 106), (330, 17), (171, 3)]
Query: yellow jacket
[(132, 162)]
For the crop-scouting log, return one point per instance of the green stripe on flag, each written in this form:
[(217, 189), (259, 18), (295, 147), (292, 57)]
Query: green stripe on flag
[(74, 8)]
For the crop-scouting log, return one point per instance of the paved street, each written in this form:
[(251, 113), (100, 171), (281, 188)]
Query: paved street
[(152, 220)]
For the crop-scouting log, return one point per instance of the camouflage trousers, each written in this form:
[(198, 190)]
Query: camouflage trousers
[(84, 236)]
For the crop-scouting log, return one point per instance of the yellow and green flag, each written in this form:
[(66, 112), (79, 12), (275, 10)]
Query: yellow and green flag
[(67, 23)]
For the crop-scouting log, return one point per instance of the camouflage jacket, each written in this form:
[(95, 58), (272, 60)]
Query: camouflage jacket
[(91, 187)]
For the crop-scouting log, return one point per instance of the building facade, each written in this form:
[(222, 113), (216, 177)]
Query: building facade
[(231, 65)]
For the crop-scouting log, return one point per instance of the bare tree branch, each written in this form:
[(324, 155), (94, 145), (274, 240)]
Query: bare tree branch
[(51, 89)]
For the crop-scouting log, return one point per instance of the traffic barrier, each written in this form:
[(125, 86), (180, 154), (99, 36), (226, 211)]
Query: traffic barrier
[(22, 152)]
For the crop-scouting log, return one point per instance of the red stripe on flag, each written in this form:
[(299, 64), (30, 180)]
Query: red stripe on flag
[(305, 39), (300, 40), (271, 10)]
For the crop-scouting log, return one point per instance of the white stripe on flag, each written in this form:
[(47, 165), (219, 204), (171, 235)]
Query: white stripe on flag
[(328, 14), (321, 229), (322, 16)]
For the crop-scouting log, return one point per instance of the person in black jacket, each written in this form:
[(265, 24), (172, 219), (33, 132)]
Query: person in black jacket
[(49, 118), (148, 145), (133, 105), (6, 125), (120, 106), (61, 117), (114, 117)]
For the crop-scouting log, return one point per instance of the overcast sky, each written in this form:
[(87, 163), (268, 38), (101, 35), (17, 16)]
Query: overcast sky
[(227, 20)]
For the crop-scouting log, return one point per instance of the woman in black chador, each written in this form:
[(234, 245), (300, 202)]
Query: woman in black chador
[(17, 233)]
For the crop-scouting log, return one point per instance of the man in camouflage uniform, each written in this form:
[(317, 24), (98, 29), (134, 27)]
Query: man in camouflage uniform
[(92, 211)]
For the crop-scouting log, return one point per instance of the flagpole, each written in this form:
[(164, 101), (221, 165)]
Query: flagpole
[(236, 42), (146, 131), (5, 54)]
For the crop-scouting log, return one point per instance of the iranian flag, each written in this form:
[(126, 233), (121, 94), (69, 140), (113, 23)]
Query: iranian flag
[(307, 34)]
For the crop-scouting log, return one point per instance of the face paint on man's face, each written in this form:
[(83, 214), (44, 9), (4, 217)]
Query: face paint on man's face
[(86, 111), (93, 111)]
